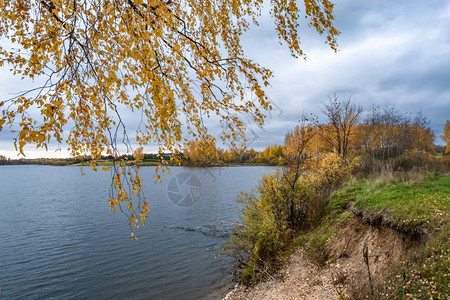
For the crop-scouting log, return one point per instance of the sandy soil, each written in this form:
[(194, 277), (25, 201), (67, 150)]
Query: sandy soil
[(299, 279)]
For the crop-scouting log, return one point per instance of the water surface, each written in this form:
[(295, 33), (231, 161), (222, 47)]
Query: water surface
[(58, 240)]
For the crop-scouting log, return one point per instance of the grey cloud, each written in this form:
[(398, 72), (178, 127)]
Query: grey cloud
[(390, 52), (436, 79)]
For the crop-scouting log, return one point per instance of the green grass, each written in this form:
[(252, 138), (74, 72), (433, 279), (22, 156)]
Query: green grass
[(426, 275), (147, 163), (111, 163), (418, 202), (424, 202), (100, 163), (415, 202)]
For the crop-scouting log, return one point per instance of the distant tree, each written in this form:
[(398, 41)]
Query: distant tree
[(252, 154), (439, 149), (446, 137), (359, 139), (138, 154), (421, 135), (295, 146), (201, 151), (272, 154), (228, 156), (342, 116), (385, 131), (421, 138), (152, 156), (192, 151), (390, 132)]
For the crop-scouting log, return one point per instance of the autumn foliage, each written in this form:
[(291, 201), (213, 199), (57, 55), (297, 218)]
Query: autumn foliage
[(319, 159), (446, 137), (173, 64)]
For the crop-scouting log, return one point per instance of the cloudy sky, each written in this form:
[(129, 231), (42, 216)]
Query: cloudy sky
[(390, 53)]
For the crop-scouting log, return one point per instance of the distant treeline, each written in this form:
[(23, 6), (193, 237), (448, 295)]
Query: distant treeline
[(38, 161), (381, 133), (150, 157)]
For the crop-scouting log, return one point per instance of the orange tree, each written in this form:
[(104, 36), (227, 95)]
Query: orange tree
[(173, 63), (342, 116), (446, 137), (296, 146)]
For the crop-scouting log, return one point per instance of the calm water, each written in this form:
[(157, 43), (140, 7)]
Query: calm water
[(58, 240)]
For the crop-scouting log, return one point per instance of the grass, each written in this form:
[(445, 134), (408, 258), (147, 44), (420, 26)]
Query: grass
[(111, 163), (424, 201), (411, 201), (426, 275)]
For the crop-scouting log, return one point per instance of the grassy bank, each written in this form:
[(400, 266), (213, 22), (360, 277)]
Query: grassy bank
[(418, 201), (413, 201), (419, 206)]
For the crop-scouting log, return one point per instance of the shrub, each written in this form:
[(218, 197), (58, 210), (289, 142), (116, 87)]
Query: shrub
[(402, 167), (415, 160), (275, 211), (271, 216), (328, 172)]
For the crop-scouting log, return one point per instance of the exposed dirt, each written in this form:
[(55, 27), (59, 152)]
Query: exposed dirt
[(300, 279), (386, 248)]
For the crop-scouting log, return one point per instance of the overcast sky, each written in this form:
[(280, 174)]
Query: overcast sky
[(390, 53)]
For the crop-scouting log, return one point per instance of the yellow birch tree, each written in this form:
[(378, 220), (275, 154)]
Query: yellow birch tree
[(446, 137), (172, 63)]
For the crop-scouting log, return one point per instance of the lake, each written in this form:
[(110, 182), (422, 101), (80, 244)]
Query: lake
[(59, 240)]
